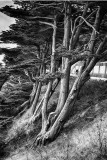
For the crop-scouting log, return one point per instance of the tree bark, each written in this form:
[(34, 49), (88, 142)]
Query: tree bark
[(66, 109), (49, 88), (33, 93), (38, 112), (72, 97), (36, 98), (3, 78), (64, 88), (69, 43)]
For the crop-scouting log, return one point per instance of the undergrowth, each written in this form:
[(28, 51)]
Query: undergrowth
[(91, 94)]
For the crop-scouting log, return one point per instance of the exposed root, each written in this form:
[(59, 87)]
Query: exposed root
[(46, 137), (52, 117), (39, 140), (42, 138)]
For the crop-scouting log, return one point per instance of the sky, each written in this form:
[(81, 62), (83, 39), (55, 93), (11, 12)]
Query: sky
[(5, 2), (5, 22)]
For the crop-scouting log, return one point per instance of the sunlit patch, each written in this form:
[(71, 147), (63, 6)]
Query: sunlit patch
[(1, 60), (8, 45), (5, 22)]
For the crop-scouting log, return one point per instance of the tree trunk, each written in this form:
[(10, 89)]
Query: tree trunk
[(38, 111), (64, 88), (65, 110), (93, 35), (72, 97), (36, 98), (49, 88), (3, 78), (69, 43), (33, 93)]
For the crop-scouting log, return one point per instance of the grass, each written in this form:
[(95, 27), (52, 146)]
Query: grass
[(83, 136)]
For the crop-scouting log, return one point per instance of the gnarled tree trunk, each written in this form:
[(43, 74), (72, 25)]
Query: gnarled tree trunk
[(49, 88), (69, 43), (63, 111)]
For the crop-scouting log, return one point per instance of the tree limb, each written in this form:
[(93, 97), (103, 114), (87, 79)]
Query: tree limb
[(50, 24)]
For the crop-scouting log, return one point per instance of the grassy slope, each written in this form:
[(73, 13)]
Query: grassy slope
[(83, 136)]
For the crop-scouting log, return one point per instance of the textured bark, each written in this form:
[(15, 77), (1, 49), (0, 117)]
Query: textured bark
[(49, 88), (64, 90), (64, 111), (36, 98), (69, 43), (44, 108), (52, 133), (3, 79), (38, 110), (99, 17), (76, 36), (62, 97), (72, 97), (33, 93), (36, 93)]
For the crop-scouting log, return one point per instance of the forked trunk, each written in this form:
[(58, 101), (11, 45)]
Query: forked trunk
[(49, 88), (38, 111), (36, 98), (64, 90), (33, 93), (3, 79), (69, 43), (72, 97), (65, 109), (68, 106)]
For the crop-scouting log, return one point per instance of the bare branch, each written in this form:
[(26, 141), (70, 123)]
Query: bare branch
[(87, 18), (98, 52), (52, 5), (73, 59), (48, 4), (104, 53), (79, 28), (86, 23), (30, 75), (48, 77), (42, 30), (38, 17), (50, 24)]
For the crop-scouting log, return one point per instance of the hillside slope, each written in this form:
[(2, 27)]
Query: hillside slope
[(84, 136)]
